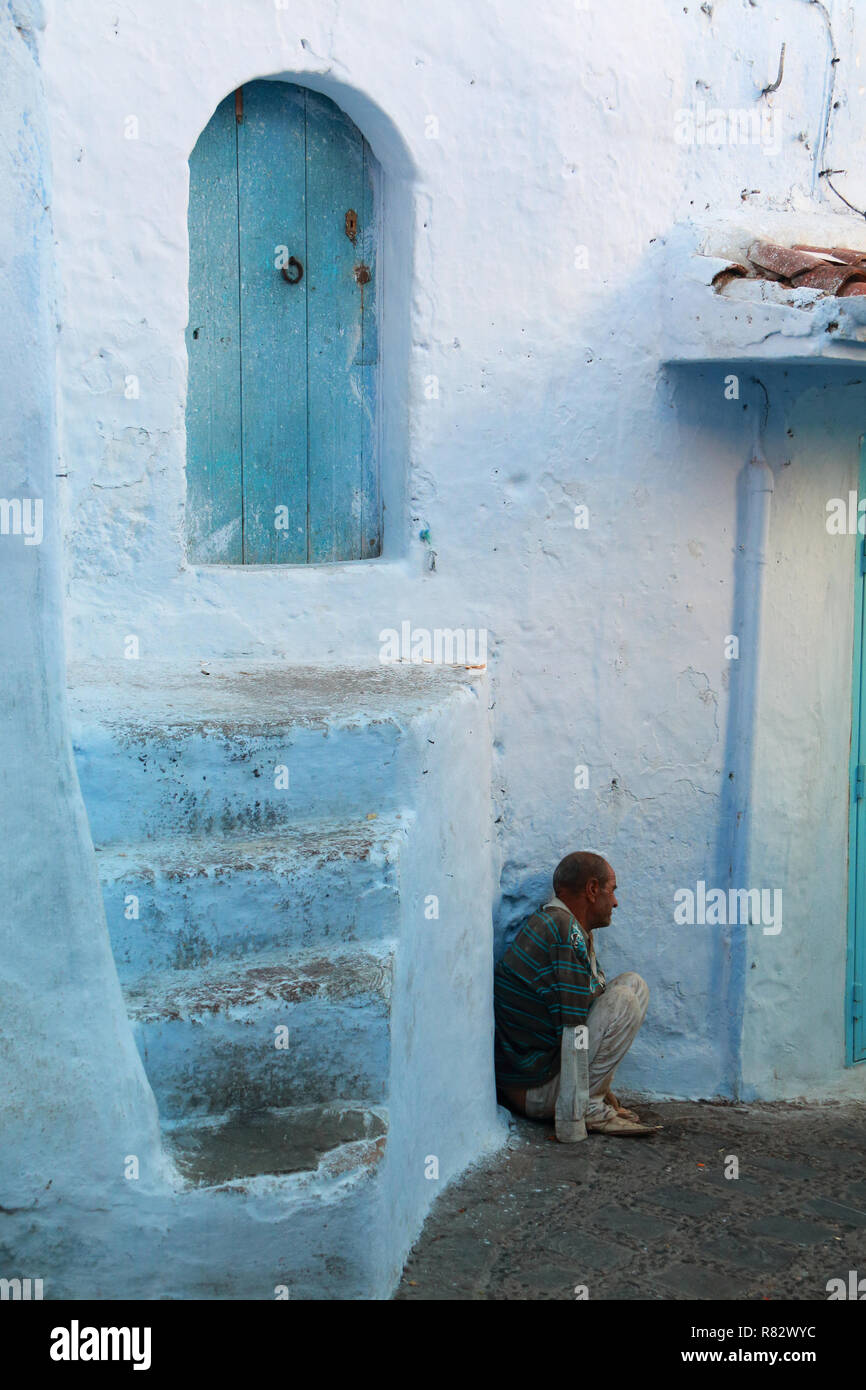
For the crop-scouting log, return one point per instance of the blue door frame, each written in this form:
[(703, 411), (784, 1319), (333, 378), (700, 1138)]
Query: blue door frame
[(856, 974)]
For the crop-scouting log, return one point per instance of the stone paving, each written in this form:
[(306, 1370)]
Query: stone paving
[(657, 1218)]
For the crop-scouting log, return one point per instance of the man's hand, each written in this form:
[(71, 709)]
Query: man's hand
[(610, 1099)]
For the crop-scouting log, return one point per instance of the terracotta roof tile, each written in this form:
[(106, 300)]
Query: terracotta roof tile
[(833, 270), (841, 253), (782, 263), (832, 279)]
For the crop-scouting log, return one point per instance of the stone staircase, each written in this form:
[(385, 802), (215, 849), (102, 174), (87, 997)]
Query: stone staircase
[(267, 843)]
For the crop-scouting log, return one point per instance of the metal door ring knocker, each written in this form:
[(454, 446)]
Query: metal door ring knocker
[(294, 264)]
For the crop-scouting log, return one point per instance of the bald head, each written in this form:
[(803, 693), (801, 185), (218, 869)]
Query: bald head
[(586, 883)]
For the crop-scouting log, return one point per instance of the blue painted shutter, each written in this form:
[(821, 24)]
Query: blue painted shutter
[(281, 410)]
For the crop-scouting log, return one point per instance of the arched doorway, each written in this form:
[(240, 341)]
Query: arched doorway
[(282, 339)]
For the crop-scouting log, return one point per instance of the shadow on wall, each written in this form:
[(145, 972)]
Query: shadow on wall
[(523, 892)]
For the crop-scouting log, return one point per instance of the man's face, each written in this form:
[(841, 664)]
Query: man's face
[(605, 901)]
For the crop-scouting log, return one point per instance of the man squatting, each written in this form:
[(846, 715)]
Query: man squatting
[(561, 1028)]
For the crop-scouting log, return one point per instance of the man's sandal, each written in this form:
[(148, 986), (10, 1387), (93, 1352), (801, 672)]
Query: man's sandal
[(618, 1124), (620, 1109)]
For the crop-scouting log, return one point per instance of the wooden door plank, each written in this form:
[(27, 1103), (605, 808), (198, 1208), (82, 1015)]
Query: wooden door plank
[(368, 241), (271, 176), (856, 964), (341, 385), (213, 414)]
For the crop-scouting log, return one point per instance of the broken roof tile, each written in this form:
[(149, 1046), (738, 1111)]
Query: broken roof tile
[(841, 253), (733, 271), (832, 279), (782, 262), (830, 270)]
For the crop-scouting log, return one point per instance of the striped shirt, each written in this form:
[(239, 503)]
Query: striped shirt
[(545, 982)]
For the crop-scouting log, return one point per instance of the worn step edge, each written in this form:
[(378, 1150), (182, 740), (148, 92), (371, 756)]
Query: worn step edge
[(313, 844), (327, 1140), (244, 697), (186, 902), (234, 988)]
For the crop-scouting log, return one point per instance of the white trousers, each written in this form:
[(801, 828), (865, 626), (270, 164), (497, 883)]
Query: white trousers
[(613, 1021)]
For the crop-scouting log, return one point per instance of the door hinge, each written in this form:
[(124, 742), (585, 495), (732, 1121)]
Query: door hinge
[(858, 782), (857, 1000)]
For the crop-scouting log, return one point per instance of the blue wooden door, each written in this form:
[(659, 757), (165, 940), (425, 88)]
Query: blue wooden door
[(282, 344), (856, 1047)]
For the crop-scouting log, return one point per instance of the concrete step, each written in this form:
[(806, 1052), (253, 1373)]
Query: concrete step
[(333, 1138), (295, 1195), (194, 899), (162, 751), (209, 1037)]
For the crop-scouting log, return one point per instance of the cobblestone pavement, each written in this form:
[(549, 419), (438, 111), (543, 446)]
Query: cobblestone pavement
[(657, 1218)]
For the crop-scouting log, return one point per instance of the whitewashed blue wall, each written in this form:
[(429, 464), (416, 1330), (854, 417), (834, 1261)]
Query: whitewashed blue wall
[(74, 1104), (510, 139)]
